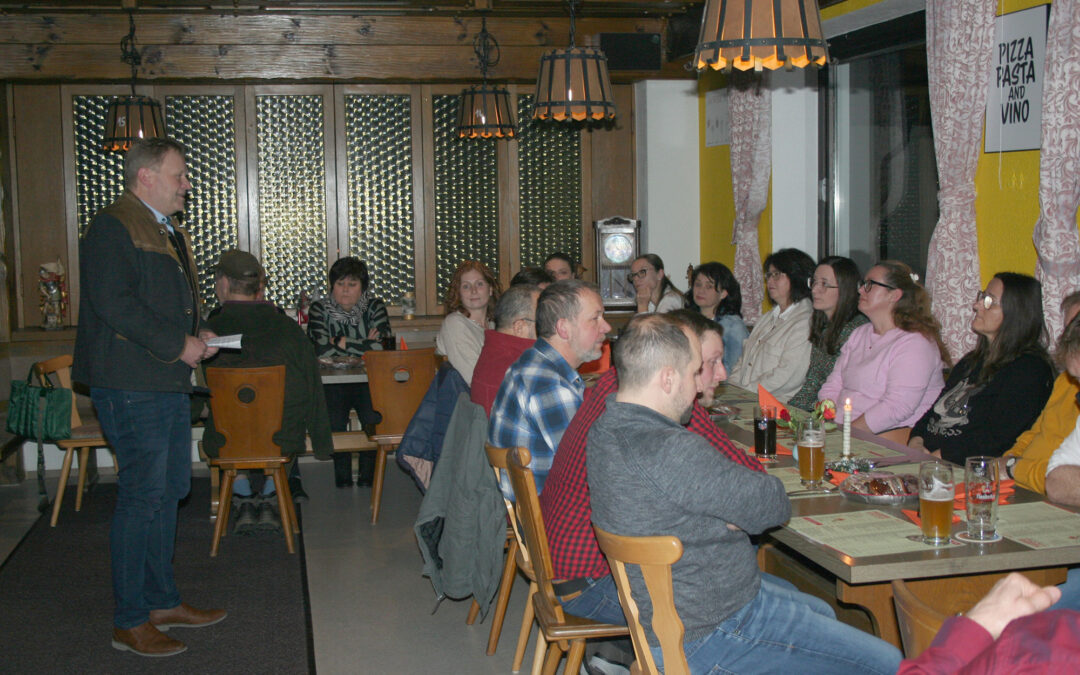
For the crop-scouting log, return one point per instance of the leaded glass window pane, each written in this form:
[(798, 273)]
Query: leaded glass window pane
[(99, 175)]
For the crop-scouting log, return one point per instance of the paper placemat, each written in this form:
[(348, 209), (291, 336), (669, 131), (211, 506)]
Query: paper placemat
[(789, 476), (1039, 525), (861, 534)]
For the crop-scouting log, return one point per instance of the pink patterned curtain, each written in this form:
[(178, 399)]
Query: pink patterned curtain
[(1056, 240), (959, 48), (750, 103)]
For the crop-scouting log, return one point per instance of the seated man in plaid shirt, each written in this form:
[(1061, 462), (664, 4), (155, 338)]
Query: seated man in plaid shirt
[(542, 389), (589, 590)]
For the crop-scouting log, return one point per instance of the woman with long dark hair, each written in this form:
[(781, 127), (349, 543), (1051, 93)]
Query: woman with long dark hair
[(998, 389), (835, 292), (655, 292), (717, 295), (470, 310), (891, 367), (777, 353)]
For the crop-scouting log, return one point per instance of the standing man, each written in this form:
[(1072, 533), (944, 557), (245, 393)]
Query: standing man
[(542, 390), (137, 343)]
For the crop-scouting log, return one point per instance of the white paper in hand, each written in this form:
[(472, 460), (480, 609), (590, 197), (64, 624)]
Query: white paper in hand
[(225, 341)]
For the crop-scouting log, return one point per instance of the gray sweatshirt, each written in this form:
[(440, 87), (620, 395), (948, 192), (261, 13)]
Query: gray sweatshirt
[(648, 476)]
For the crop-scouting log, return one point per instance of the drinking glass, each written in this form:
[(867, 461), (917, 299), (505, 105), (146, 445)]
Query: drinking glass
[(811, 448), (765, 433), (389, 342), (982, 483), (936, 494)]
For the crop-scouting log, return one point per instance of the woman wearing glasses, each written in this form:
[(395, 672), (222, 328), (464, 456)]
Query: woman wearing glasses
[(999, 388), (777, 353), (891, 367), (716, 294), (835, 292), (655, 292)]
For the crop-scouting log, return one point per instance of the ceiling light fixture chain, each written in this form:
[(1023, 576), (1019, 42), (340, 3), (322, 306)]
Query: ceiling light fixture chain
[(486, 48), (485, 111), (129, 54)]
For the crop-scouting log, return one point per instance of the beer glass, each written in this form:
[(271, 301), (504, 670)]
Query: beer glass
[(982, 485), (811, 447), (936, 494), (765, 433)]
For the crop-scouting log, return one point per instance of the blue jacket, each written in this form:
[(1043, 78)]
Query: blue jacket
[(419, 449)]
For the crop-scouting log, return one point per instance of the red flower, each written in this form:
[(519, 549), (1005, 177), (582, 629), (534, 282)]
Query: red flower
[(829, 414), (785, 415)]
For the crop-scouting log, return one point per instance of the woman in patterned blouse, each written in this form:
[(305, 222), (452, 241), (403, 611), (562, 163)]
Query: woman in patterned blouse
[(835, 291), (349, 322)]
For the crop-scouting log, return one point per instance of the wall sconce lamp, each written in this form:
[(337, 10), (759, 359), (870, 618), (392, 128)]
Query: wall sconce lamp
[(129, 118), (484, 110), (573, 83), (760, 34)]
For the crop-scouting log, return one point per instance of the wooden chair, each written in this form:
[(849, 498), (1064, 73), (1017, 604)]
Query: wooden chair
[(517, 558), (563, 632), (654, 556), (398, 381), (247, 404), (84, 437)]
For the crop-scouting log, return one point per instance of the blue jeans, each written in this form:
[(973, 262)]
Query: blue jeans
[(1070, 591), (151, 434), (782, 629), (599, 602)]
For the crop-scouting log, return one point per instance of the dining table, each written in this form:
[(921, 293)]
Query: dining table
[(342, 374), (859, 548)]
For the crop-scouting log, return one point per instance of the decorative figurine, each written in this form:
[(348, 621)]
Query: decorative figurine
[(52, 289), (302, 305)]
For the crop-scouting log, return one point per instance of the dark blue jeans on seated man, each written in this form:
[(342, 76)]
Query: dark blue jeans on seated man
[(785, 630), (151, 435)]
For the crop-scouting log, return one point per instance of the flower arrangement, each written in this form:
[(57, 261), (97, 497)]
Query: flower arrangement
[(823, 410)]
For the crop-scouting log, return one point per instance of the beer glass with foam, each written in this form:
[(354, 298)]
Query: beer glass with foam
[(982, 484), (811, 447), (936, 494)]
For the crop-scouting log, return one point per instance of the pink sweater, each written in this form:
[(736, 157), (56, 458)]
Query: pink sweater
[(892, 379)]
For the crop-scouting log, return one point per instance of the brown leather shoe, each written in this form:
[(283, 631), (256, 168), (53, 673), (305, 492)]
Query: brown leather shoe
[(145, 640), (185, 616)]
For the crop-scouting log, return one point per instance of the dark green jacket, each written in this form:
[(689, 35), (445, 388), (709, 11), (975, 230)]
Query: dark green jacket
[(273, 339)]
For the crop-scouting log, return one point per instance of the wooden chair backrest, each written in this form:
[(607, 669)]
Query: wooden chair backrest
[(531, 522), (499, 459), (398, 381), (61, 365), (654, 556), (247, 405)]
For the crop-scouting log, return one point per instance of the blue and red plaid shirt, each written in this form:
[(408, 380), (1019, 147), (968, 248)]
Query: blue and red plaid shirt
[(565, 499), (535, 403)]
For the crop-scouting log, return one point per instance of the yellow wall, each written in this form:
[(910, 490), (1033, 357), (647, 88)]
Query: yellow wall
[(1007, 189)]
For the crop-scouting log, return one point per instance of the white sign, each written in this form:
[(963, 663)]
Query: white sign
[(1014, 101), (717, 118)]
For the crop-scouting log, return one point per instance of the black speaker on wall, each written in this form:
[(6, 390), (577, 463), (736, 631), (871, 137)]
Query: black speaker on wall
[(632, 51)]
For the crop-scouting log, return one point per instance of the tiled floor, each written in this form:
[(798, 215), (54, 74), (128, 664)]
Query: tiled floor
[(371, 609)]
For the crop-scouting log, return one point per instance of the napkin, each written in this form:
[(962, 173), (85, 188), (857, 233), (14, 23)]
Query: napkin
[(767, 399), (403, 347), (783, 450), (914, 516), (838, 477)]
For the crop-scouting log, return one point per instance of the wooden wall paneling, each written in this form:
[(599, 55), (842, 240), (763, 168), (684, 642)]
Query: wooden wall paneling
[(588, 236), (341, 224), (424, 165), (612, 144), (251, 168), (423, 254), (9, 214), (509, 203), (40, 175)]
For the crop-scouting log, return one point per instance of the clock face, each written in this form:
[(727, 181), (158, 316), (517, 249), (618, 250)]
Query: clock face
[(618, 248)]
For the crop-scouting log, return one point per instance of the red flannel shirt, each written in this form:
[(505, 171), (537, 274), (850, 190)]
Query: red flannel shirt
[(564, 501)]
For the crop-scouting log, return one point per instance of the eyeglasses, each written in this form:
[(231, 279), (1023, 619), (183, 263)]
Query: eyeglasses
[(772, 276), (868, 285), (640, 274), (818, 283), (986, 300)]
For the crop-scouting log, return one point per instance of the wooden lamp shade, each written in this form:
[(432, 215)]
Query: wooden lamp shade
[(574, 85), (485, 112), (760, 34)]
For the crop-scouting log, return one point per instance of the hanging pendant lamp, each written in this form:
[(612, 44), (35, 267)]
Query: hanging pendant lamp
[(130, 118), (573, 83), (760, 34), (484, 109)]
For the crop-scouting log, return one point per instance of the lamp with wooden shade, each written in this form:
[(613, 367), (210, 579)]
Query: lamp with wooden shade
[(573, 83), (484, 110), (758, 34), (130, 118)]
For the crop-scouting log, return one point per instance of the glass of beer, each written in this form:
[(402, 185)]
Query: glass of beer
[(765, 433), (982, 484), (811, 447), (936, 494)]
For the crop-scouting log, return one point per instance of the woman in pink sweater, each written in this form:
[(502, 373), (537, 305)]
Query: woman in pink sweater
[(891, 367)]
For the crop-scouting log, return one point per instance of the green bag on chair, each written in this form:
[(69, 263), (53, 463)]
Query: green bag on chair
[(42, 413)]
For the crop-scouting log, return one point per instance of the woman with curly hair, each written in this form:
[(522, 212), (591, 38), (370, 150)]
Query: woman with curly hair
[(349, 322), (470, 309), (777, 353), (835, 292), (891, 367), (717, 295), (998, 389)]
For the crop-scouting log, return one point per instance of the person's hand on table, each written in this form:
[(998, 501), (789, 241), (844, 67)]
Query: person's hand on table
[(1011, 598), (204, 335), (194, 350)]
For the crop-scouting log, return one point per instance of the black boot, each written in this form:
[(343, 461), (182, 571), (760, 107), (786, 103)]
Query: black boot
[(366, 474), (343, 469)]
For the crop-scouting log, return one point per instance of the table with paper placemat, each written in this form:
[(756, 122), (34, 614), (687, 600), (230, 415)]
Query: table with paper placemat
[(857, 549)]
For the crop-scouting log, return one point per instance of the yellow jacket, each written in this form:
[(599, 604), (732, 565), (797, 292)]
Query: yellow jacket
[(1034, 446)]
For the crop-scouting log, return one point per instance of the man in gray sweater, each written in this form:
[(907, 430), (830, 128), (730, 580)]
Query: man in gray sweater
[(648, 475)]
